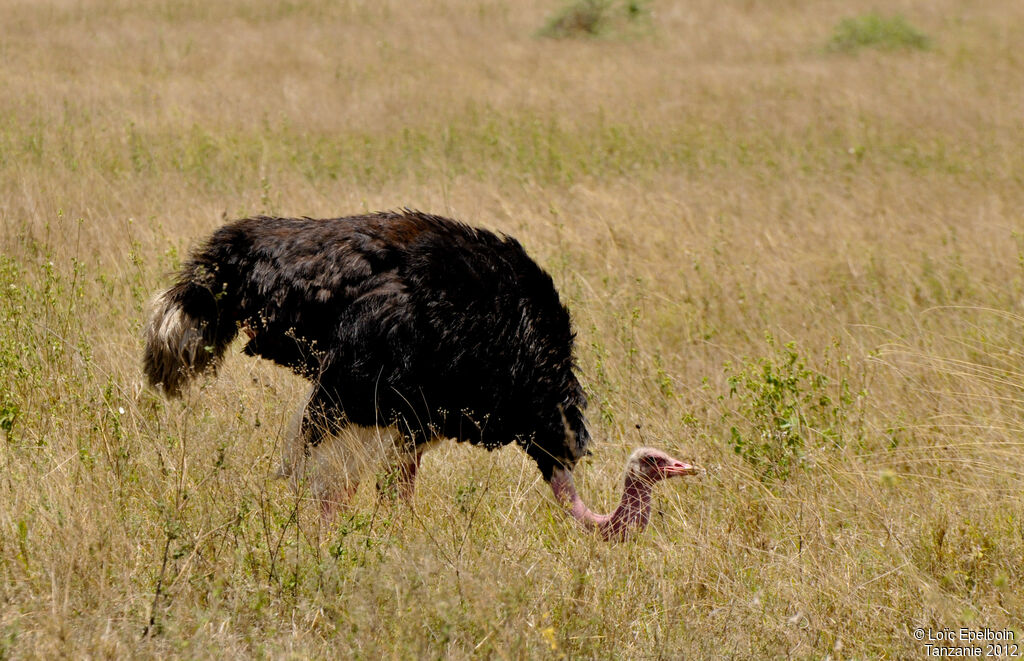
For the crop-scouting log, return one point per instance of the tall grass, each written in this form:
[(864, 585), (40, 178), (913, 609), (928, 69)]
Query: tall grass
[(798, 272)]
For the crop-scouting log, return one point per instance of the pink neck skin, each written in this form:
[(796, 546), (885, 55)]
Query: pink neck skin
[(633, 512)]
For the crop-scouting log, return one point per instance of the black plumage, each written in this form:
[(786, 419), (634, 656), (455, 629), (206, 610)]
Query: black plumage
[(397, 318)]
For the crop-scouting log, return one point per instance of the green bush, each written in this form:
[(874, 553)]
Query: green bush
[(876, 31), (590, 18), (785, 407)]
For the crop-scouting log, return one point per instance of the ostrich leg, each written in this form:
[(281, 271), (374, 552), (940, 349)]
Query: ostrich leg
[(405, 478), (400, 477), (334, 498), (318, 456)]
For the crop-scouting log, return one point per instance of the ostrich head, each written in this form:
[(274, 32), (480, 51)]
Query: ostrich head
[(645, 467), (649, 465)]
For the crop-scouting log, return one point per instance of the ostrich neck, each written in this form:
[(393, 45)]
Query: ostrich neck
[(633, 511)]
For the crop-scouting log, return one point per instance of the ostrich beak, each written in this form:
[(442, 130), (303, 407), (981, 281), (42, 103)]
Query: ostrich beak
[(681, 468)]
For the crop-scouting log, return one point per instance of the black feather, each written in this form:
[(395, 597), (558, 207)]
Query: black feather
[(397, 318)]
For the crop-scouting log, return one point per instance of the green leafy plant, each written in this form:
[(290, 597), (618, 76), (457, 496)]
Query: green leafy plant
[(786, 407), (8, 414), (590, 18), (876, 31)]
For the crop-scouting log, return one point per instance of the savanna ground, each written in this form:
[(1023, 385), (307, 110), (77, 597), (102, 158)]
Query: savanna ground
[(796, 261)]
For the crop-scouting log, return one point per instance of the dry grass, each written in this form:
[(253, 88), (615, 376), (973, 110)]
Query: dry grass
[(721, 178)]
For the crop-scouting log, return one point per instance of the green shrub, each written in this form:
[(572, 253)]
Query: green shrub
[(876, 31), (590, 18), (785, 407)]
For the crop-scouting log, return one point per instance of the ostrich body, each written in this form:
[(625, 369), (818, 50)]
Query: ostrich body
[(411, 328)]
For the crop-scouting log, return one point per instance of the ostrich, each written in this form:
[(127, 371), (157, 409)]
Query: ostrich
[(411, 328)]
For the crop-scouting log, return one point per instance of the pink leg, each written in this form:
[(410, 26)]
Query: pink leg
[(400, 479), (334, 500), (407, 478)]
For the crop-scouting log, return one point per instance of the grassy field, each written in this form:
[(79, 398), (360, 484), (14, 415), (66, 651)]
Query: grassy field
[(792, 243)]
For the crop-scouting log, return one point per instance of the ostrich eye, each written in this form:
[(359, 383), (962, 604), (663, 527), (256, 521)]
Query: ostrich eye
[(652, 461)]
